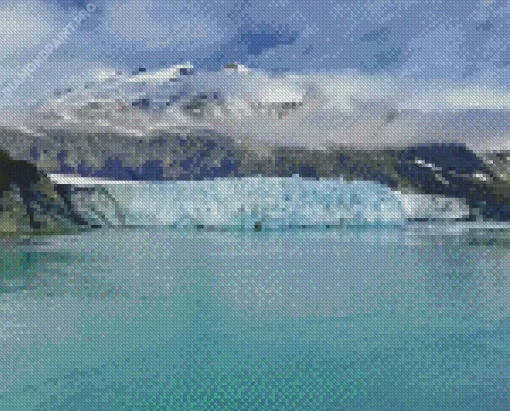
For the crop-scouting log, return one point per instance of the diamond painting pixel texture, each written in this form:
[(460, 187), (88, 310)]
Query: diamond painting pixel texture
[(254, 205)]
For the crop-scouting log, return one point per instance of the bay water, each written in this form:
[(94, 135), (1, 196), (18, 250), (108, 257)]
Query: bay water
[(412, 317)]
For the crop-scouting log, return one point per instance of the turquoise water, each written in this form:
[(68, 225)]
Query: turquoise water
[(407, 318)]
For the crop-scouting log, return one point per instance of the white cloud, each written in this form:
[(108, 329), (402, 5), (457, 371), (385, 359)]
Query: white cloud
[(27, 28), (52, 76), (25, 25)]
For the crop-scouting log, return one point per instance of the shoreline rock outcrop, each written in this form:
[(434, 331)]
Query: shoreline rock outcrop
[(30, 203)]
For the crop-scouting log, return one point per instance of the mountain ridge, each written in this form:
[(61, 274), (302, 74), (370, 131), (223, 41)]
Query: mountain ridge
[(440, 169)]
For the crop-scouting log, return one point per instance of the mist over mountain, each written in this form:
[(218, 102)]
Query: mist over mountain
[(264, 110)]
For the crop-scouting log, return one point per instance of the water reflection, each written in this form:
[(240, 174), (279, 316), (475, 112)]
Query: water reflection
[(52, 273)]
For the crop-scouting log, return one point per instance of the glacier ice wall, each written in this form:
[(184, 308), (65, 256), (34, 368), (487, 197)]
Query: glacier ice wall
[(263, 203), (270, 203), (433, 207)]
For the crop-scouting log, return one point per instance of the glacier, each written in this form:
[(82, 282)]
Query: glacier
[(254, 203)]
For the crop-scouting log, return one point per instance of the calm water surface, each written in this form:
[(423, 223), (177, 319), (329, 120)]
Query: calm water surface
[(152, 319)]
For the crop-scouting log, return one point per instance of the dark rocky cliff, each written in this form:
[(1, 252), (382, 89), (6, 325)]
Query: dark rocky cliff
[(29, 202)]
